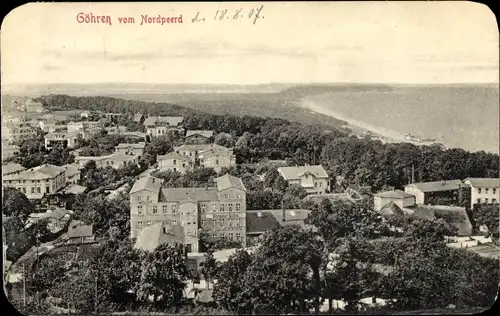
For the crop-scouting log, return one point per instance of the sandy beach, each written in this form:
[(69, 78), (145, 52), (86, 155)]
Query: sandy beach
[(361, 128)]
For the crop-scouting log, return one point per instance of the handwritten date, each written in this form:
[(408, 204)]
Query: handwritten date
[(252, 14)]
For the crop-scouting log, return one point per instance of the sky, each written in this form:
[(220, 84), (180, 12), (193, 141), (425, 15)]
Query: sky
[(294, 42)]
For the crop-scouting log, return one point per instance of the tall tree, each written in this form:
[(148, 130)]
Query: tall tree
[(163, 276)]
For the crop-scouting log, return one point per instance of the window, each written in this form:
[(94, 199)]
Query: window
[(479, 190), (165, 209), (203, 222), (221, 221), (486, 200), (139, 209), (478, 201), (230, 207), (175, 162), (38, 190), (315, 184), (174, 209), (155, 209), (231, 236), (148, 223), (221, 235), (214, 236), (175, 169), (148, 198), (203, 208), (47, 189), (238, 206), (139, 224), (226, 196), (494, 191), (112, 162), (221, 208), (174, 221), (217, 161), (238, 236), (486, 190), (320, 184)]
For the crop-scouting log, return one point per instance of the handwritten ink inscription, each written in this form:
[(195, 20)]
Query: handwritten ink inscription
[(249, 14), (252, 14)]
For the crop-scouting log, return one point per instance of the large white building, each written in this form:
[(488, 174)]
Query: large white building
[(36, 182), (484, 190), (219, 211)]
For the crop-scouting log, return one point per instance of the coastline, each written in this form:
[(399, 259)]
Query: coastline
[(361, 128)]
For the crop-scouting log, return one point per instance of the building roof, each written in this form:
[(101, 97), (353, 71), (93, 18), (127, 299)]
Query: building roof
[(205, 296), (391, 209), (206, 134), (455, 215), (11, 168), (265, 220), (260, 221), (74, 189), (188, 194), (147, 172), (37, 173), (483, 182), (436, 186), (140, 145), (172, 155), (56, 213), (147, 183), (159, 120), (118, 156), (216, 153), (71, 169), (228, 181), (197, 147), (76, 230), (290, 173), (158, 234), (394, 194)]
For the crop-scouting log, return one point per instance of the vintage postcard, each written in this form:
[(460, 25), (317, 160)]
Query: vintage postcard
[(233, 158)]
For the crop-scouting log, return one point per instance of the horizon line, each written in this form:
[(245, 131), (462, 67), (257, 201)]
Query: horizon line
[(252, 84)]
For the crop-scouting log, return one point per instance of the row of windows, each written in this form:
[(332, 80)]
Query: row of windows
[(21, 181), (165, 209), (155, 209), (230, 236), (486, 201), (221, 222), (486, 190)]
